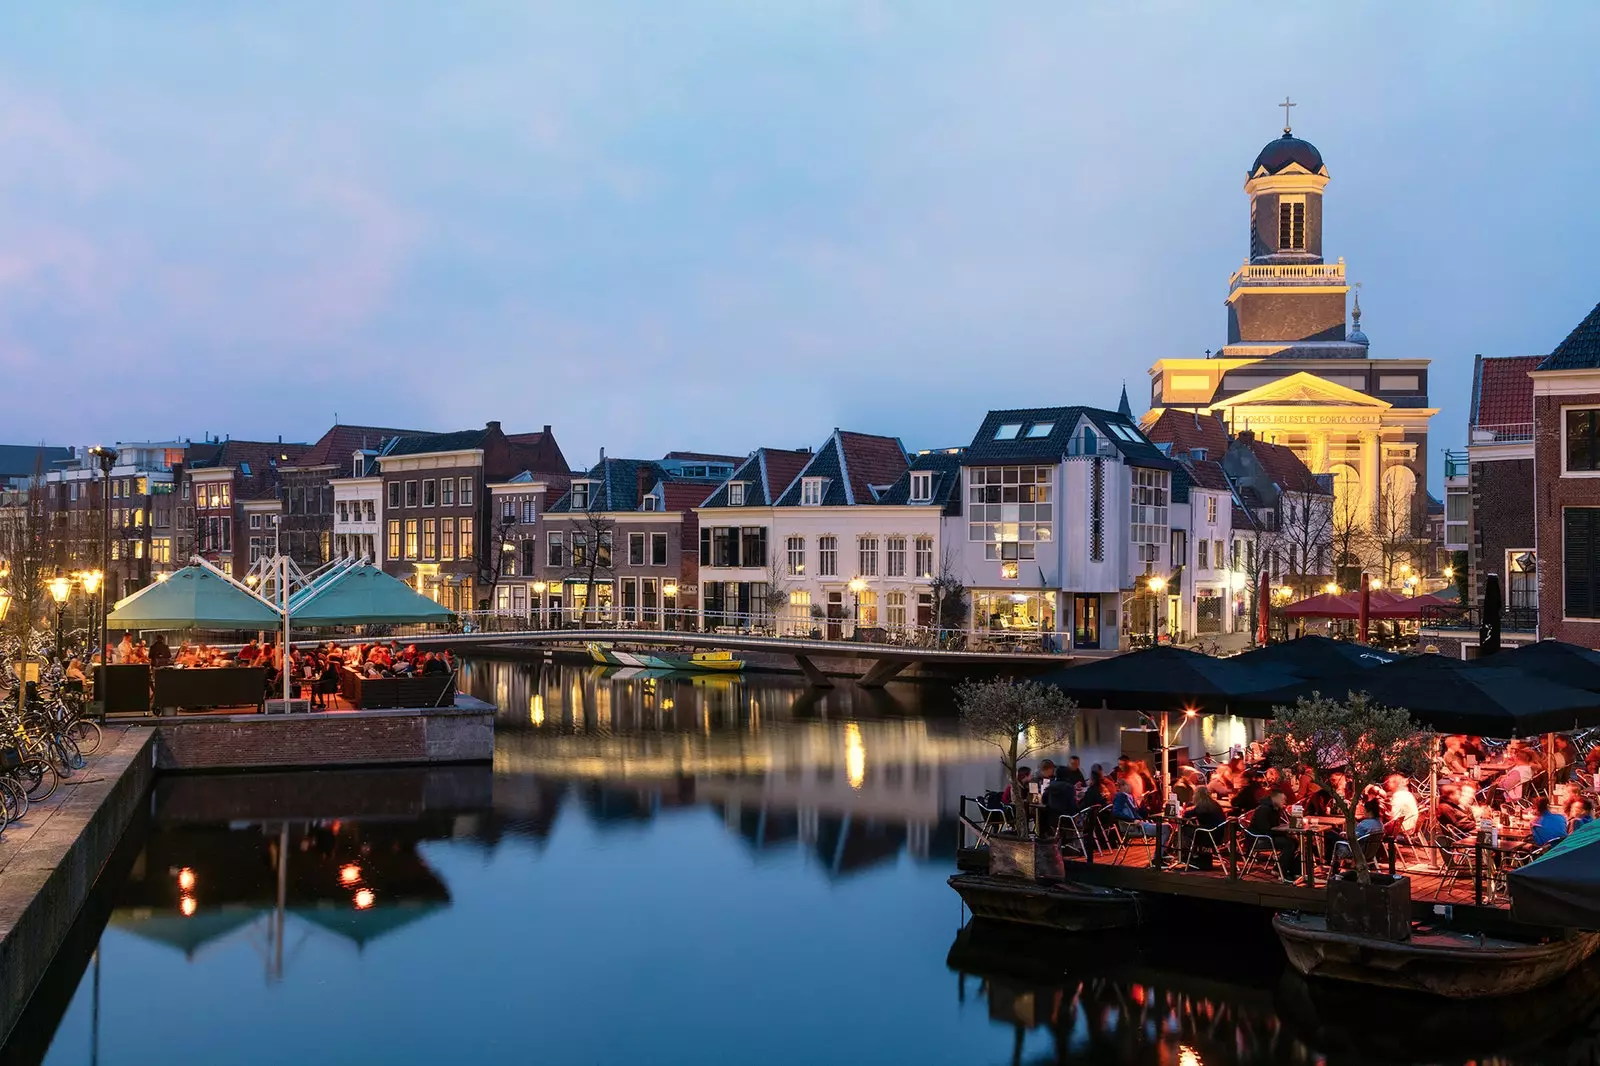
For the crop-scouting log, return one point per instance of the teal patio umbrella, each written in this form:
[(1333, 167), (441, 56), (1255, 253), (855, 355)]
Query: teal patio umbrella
[(193, 598), (364, 595)]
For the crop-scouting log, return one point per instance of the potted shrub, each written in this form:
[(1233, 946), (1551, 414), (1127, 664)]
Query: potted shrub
[(1368, 742), (1022, 719)]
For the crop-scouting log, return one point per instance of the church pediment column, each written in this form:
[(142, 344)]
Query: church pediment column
[(1369, 476)]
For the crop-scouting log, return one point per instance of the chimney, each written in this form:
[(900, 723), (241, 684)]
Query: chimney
[(492, 427), (602, 455), (1246, 436), (547, 429)]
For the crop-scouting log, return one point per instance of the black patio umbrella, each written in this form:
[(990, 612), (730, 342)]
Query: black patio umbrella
[(1454, 696), (1555, 660), (1165, 678), (1562, 886), (1315, 657)]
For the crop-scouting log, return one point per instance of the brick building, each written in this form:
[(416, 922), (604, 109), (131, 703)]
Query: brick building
[(306, 489), (1566, 489), (229, 500), (438, 526), (1500, 476), (143, 513)]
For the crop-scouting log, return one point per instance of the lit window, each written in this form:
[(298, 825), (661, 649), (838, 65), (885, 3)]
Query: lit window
[(1008, 431), (1041, 429)]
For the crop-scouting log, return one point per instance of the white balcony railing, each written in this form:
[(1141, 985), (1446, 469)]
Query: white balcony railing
[(1253, 274)]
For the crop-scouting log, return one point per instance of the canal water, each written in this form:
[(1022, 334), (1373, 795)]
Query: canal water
[(664, 870)]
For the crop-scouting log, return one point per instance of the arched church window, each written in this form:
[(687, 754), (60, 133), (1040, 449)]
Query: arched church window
[(1399, 486)]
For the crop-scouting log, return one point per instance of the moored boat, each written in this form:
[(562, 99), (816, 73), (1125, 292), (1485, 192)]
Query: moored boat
[(1438, 962), (1065, 906), (709, 661)]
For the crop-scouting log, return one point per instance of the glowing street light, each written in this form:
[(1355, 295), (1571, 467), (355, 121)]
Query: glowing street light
[(1331, 588)]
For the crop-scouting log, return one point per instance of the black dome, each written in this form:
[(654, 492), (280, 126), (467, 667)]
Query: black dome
[(1279, 154)]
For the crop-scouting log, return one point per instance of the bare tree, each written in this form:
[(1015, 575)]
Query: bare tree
[(492, 563), (1351, 538), (1367, 741), (949, 596), (1303, 538), (1396, 534), (1021, 718), (28, 555), (778, 585), (591, 556)]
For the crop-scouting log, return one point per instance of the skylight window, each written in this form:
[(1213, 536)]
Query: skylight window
[(1041, 429), (1008, 431), (1124, 432)]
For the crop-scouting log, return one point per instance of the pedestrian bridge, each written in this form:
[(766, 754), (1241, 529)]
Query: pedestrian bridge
[(888, 660)]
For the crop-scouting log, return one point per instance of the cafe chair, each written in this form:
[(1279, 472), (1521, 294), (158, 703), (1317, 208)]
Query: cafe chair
[(1216, 838), (1259, 847), (1075, 832)]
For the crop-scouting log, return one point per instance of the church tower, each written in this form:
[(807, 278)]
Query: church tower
[(1285, 295)]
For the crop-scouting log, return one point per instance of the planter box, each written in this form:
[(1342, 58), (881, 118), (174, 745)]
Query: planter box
[(1025, 859), (425, 690), (1380, 910)]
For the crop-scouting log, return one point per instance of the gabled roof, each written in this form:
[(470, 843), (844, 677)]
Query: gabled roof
[(765, 474), (1283, 466), (1185, 431), (1054, 427), (335, 447), (1502, 391), (1581, 349), (616, 485), (1201, 473), (945, 466), (255, 464), (856, 466)]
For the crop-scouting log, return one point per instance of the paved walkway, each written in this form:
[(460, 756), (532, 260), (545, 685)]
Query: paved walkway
[(75, 800)]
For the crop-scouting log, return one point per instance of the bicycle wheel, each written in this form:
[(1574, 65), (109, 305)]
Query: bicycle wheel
[(86, 734), (68, 757), (39, 779), (14, 799)]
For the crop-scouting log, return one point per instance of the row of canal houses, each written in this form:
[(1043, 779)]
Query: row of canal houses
[(1069, 525)]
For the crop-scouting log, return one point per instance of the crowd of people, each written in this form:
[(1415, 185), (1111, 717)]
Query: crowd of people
[(1537, 796)]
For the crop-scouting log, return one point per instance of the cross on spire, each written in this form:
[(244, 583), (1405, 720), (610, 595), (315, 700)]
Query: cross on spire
[(1286, 105)]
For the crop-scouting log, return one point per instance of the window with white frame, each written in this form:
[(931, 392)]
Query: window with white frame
[(896, 602), (1581, 432), (411, 494), (867, 556), (924, 557), (635, 549), (447, 492), (828, 556), (1202, 554), (344, 513), (735, 494), (1010, 510), (797, 555), (896, 560), (580, 495), (556, 549), (921, 486), (812, 490), (1148, 509), (652, 502), (658, 549), (429, 498), (530, 510), (1211, 510), (464, 491)]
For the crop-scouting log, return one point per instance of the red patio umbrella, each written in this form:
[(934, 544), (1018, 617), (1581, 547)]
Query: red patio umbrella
[(1325, 605)]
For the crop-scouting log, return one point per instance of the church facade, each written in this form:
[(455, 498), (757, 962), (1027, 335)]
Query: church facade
[(1292, 370)]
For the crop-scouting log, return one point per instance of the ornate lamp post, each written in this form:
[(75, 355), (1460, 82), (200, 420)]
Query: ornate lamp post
[(669, 595), (539, 588), (857, 586), (1156, 584), (60, 588), (108, 459)]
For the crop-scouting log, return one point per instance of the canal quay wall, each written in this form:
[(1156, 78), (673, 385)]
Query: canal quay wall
[(50, 860), (464, 733)]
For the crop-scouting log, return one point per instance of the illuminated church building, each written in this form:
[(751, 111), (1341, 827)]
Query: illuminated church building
[(1292, 372)]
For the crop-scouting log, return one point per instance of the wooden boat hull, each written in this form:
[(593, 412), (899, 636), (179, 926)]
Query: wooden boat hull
[(706, 662), (1068, 907), (1458, 966)]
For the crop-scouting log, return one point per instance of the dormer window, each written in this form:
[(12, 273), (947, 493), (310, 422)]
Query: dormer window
[(580, 495), (735, 494), (1008, 431), (1198, 454), (921, 486), (1292, 224), (652, 502), (1041, 429), (812, 490)]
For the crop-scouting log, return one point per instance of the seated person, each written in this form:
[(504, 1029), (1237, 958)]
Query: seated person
[(1579, 812), (1024, 775), (1521, 772), (1403, 812), (1455, 755), (435, 665), (1269, 819), (1452, 812), (1126, 813), (1548, 826), (1251, 796)]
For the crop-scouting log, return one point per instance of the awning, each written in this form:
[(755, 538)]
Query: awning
[(193, 598), (1164, 679), (363, 595), (1325, 605), (1562, 886)]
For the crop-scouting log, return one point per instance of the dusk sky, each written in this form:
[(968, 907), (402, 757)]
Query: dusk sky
[(725, 225)]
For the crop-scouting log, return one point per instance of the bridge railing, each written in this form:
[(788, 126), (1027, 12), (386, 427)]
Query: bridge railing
[(733, 624)]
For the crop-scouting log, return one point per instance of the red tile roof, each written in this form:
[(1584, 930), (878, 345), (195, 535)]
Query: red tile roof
[(783, 466), (1283, 466), (263, 459), (336, 446), (1188, 430), (871, 460), (1206, 474), (685, 495), (1502, 392)]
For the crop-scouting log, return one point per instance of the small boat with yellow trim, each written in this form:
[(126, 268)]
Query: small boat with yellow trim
[(703, 661)]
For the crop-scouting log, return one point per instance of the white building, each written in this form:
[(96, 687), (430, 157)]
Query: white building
[(358, 510), (847, 536)]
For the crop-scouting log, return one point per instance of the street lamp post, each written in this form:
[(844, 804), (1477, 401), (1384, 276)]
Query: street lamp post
[(60, 589), (1155, 584), (669, 594), (857, 586), (538, 592), (108, 459)]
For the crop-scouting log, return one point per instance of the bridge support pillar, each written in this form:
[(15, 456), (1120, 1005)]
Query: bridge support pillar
[(813, 675), (881, 671)]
